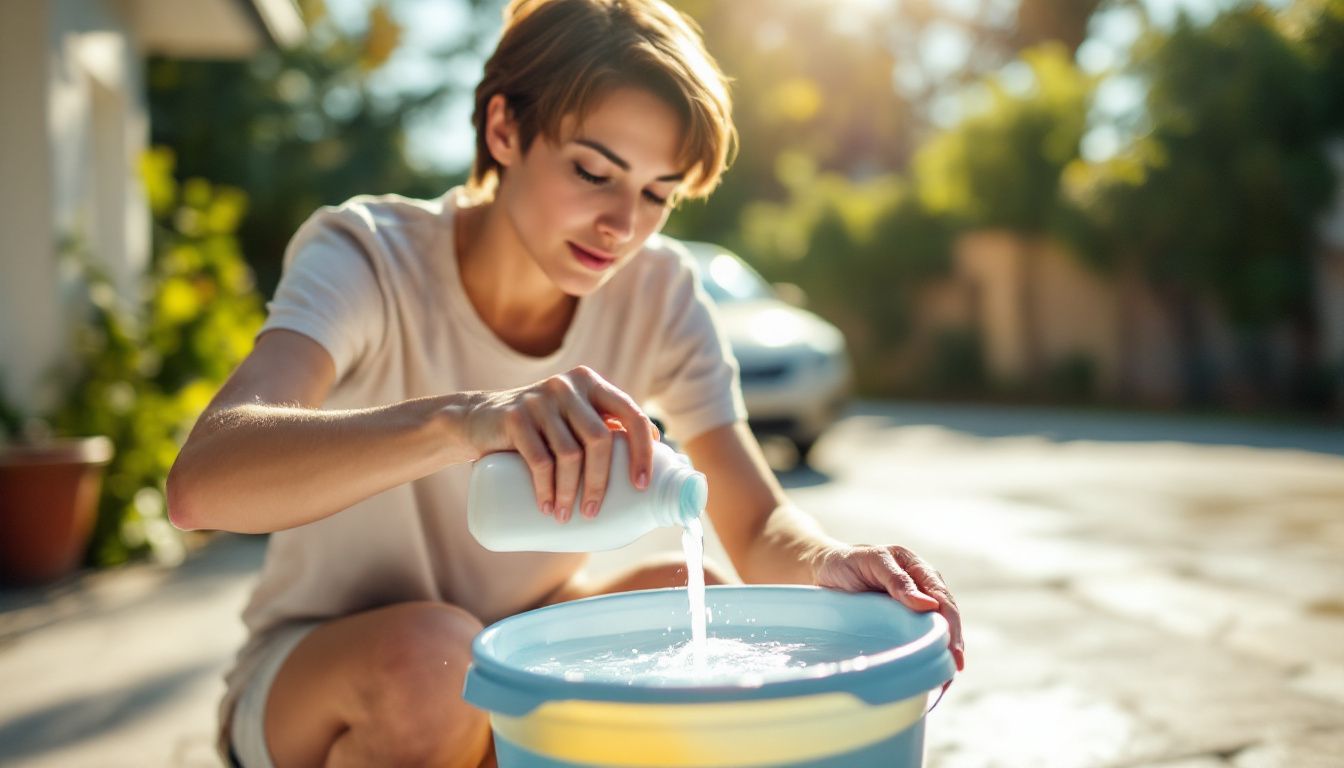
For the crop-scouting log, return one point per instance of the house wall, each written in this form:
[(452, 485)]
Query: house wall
[(31, 325), (99, 127), (1330, 300), (198, 28), (74, 125), (1077, 315), (1035, 305), (1149, 370), (992, 262), (1330, 276), (1038, 307)]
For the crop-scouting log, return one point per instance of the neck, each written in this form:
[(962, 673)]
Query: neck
[(509, 292)]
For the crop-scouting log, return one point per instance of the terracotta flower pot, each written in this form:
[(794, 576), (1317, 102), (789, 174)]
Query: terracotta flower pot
[(48, 505)]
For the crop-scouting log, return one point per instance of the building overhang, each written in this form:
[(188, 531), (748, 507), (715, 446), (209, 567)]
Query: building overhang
[(216, 29)]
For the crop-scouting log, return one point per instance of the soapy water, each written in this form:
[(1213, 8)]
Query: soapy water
[(735, 656)]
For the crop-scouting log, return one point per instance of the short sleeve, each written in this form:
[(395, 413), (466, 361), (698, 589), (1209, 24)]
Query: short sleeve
[(329, 289), (695, 385)]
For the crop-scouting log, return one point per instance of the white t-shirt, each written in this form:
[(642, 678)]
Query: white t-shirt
[(375, 282)]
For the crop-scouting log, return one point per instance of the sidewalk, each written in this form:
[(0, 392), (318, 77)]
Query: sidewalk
[(123, 668), (1137, 591)]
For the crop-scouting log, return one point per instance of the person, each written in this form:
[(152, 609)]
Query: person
[(532, 310)]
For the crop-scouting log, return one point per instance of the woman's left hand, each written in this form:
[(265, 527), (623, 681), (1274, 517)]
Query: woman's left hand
[(898, 572)]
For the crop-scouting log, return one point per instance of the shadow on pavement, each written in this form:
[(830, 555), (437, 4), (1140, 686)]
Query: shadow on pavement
[(1063, 425), (86, 717), (802, 476), (216, 565)]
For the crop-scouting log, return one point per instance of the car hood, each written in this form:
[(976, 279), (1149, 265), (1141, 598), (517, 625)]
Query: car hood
[(764, 327)]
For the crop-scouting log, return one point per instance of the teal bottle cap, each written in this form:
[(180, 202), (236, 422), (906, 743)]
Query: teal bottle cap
[(694, 496)]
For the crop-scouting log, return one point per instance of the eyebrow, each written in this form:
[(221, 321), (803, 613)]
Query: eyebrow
[(619, 161)]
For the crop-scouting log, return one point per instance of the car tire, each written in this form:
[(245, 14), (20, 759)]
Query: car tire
[(804, 447)]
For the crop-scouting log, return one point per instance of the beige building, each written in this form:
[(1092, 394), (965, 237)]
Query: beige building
[(73, 123), (1036, 308)]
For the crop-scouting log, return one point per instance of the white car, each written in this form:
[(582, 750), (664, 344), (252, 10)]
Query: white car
[(795, 370)]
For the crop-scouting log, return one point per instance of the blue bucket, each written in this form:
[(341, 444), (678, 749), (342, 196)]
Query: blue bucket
[(866, 712)]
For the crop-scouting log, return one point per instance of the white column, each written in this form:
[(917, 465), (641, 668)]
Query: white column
[(32, 330)]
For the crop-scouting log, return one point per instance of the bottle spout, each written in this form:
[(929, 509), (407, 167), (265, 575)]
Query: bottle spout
[(694, 497)]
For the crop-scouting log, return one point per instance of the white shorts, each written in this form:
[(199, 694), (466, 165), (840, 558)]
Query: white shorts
[(247, 734)]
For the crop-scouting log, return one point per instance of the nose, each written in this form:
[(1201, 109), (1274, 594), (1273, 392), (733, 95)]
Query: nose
[(617, 221)]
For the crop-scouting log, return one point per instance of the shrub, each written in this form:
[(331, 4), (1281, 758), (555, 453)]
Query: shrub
[(147, 365)]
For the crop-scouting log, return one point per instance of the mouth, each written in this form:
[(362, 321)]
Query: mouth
[(594, 260)]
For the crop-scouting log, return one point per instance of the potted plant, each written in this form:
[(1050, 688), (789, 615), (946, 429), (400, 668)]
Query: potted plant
[(143, 365), (49, 490)]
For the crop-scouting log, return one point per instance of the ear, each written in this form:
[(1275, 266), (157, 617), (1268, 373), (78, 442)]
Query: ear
[(501, 131)]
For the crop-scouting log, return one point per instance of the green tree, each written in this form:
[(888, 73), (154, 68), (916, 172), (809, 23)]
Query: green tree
[(1002, 168), (301, 128), (1318, 28), (850, 86), (832, 230), (148, 364), (1219, 200), (803, 84)]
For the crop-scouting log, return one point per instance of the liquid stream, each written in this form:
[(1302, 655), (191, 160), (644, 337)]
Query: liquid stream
[(693, 546)]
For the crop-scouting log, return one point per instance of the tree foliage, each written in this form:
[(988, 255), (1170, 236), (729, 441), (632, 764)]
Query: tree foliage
[(298, 129), (1219, 200), (147, 365), (1001, 167)]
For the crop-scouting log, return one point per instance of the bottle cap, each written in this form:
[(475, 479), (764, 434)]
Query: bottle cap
[(694, 496)]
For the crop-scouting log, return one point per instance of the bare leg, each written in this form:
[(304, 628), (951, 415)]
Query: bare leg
[(384, 687), (381, 687)]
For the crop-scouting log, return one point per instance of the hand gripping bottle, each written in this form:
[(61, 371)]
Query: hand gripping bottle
[(503, 514)]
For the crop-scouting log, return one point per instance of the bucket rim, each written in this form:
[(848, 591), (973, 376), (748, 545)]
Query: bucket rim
[(908, 669)]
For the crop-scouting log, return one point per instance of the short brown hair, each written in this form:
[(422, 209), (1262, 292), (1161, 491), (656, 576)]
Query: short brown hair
[(558, 57)]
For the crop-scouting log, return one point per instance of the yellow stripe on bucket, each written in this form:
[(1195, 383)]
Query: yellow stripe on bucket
[(743, 733)]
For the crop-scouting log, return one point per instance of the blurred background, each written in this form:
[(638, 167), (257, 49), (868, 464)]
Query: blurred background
[(1096, 241)]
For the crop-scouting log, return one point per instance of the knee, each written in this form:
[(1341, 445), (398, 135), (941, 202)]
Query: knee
[(413, 690)]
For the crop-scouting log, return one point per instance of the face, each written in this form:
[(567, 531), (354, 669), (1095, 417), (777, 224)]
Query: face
[(584, 205)]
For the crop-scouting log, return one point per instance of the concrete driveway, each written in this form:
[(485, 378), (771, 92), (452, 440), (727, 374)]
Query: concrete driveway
[(1138, 591)]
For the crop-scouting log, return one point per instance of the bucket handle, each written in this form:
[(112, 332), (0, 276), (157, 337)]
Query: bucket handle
[(941, 692)]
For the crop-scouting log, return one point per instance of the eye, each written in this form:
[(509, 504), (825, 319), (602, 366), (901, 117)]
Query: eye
[(593, 179), (598, 181)]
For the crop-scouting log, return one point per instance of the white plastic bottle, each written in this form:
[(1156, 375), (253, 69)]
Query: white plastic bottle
[(503, 514)]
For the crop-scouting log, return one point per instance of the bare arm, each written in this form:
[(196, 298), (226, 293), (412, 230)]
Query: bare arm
[(769, 540), (263, 457)]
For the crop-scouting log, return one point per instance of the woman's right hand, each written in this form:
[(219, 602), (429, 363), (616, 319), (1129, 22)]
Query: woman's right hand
[(562, 427)]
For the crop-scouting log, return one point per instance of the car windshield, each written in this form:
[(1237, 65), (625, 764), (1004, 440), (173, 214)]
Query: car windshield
[(727, 279)]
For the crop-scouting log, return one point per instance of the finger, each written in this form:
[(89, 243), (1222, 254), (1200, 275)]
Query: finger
[(615, 425), (566, 450), (597, 441), (900, 586), (525, 438), (638, 427), (955, 644), (931, 583), (926, 578)]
